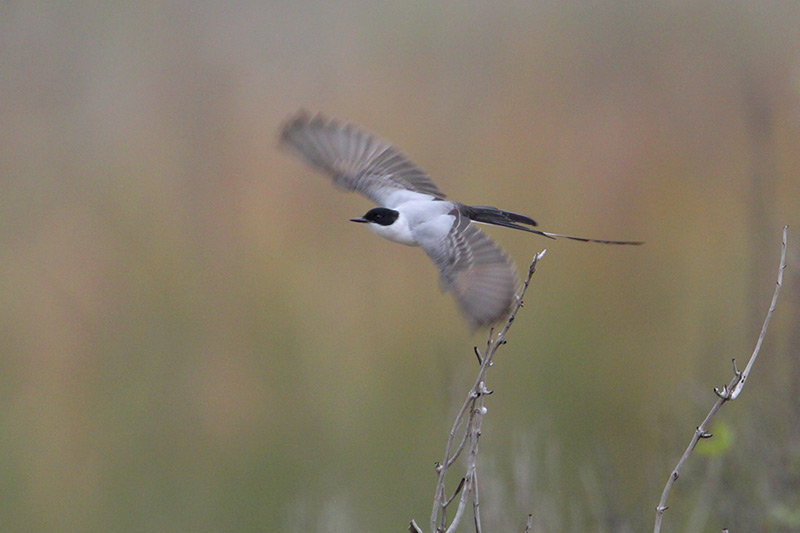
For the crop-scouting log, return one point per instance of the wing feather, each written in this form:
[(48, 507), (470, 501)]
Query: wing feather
[(476, 270), (356, 160)]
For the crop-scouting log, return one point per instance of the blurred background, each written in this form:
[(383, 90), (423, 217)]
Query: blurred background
[(193, 337)]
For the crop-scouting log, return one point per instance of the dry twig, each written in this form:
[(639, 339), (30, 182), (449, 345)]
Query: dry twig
[(529, 524), (727, 393), (471, 416)]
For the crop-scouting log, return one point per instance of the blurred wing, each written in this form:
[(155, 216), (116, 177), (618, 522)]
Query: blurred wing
[(355, 159), (481, 276)]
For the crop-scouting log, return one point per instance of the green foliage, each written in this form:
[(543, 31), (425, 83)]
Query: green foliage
[(721, 442)]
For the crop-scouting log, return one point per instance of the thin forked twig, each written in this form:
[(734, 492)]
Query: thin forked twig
[(471, 417), (529, 524), (727, 393)]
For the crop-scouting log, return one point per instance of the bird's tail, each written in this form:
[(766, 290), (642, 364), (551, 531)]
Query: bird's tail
[(497, 217)]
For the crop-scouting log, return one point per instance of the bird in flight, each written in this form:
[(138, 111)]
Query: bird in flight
[(413, 211)]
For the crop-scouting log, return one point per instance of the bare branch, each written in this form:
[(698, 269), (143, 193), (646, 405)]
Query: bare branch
[(727, 393), (737, 389), (529, 524), (458, 490), (470, 416), (476, 502)]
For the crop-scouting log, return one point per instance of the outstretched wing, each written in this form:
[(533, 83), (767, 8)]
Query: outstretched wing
[(356, 160), (479, 273)]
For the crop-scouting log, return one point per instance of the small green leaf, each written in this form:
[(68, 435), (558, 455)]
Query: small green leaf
[(720, 443)]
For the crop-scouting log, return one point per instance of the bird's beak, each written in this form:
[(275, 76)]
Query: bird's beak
[(359, 219)]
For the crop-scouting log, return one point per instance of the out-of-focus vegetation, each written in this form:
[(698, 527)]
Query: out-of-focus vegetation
[(194, 338)]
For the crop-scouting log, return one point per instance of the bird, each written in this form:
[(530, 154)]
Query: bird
[(413, 211)]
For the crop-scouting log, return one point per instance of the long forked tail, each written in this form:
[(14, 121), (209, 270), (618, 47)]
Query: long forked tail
[(497, 217)]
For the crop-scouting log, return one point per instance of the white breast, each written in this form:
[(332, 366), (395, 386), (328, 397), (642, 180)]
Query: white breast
[(419, 221), (429, 221)]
